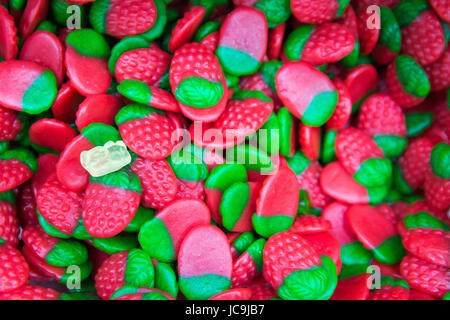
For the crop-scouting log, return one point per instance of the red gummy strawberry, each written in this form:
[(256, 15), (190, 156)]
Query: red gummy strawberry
[(195, 66), (424, 276), (358, 153), (30, 292), (10, 124), (16, 167), (211, 41), (388, 212), (9, 38), (423, 205), (325, 43), (343, 110), (249, 265), (389, 292), (325, 244), (190, 190), (437, 190), (27, 206), (159, 184), (309, 224), (308, 176), (432, 245), (422, 33), (133, 268), (13, 268), (439, 72), (407, 82), (383, 119), (58, 205), (442, 8), (147, 65), (367, 29), (261, 290), (317, 11), (9, 224), (256, 82), (104, 218), (186, 27), (309, 139), (146, 131), (413, 165), (121, 18), (295, 270), (245, 113)]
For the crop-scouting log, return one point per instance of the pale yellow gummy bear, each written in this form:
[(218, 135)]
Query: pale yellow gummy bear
[(102, 160)]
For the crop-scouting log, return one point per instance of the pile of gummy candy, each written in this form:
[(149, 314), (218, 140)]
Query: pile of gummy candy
[(224, 150)]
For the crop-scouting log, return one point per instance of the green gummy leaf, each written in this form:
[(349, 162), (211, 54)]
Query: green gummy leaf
[(352, 270), (328, 152), (89, 43), (153, 295), (304, 202), (97, 15), (224, 175), (268, 136), (139, 271), (251, 157), (99, 133), (243, 94), (203, 287), (8, 196), (351, 60), (2, 241), (197, 92), (135, 111), (126, 289), (407, 11), (206, 29), (374, 172), (391, 251), (120, 179), (276, 11), (40, 95), (390, 35), (61, 14), (354, 253), (268, 226), (17, 4), (209, 6), (243, 242), (232, 81), (399, 181), (233, 203), (48, 26), (156, 240), (166, 279), (440, 160), (187, 163), (389, 281), (80, 232), (295, 42), (66, 253), (377, 194), (268, 71), (286, 120), (85, 270), (446, 296), (424, 220), (317, 283), (236, 62), (23, 155), (343, 4), (141, 216), (320, 109), (4, 145), (135, 90), (116, 244), (298, 162), (50, 229), (392, 145), (412, 77), (418, 122), (160, 23), (124, 45), (78, 296), (255, 250)]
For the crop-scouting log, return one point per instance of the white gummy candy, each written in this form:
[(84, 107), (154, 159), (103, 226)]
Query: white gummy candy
[(109, 158)]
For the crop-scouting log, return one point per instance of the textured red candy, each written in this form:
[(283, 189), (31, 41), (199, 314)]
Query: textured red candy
[(13, 269), (29, 292), (111, 275), (10, 124), (13, 173)]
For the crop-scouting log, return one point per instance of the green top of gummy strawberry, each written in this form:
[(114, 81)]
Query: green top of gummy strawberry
[(23, 155), (135, 111), (120, 179), (407, 11), (440, 160), (412, 77), (89, 43), (390, 35)]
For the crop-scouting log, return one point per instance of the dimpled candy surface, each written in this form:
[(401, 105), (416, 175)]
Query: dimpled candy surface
[(224, 150)]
